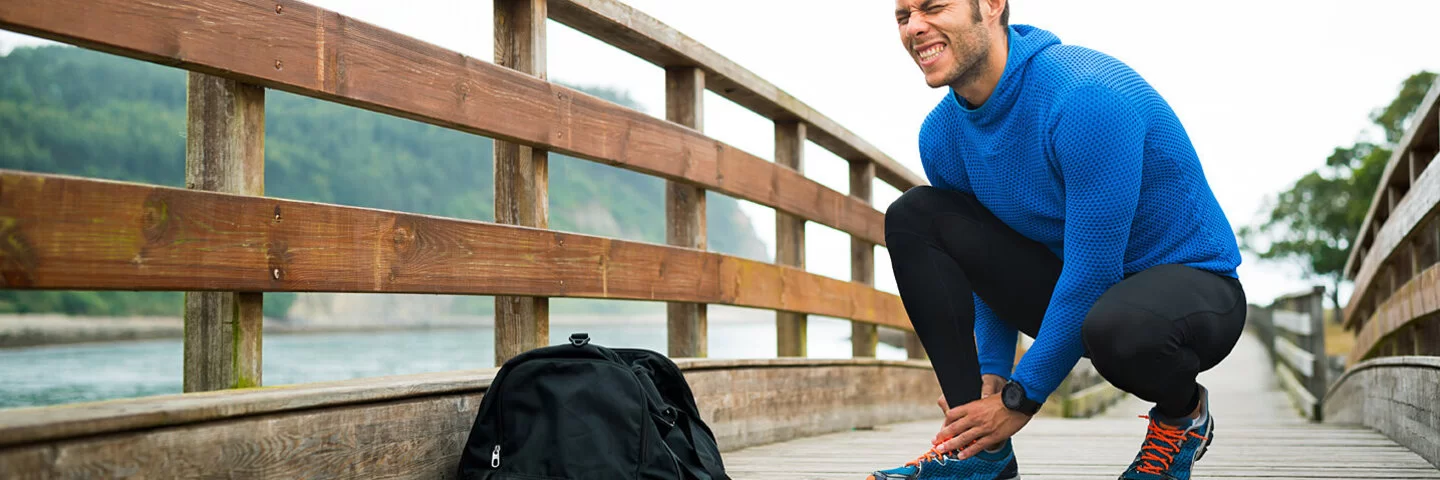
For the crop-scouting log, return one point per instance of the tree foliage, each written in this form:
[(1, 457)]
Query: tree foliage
[(72, 111), (1318, 218)]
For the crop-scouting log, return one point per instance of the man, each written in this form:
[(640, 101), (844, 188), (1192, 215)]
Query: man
[(1068, 203)]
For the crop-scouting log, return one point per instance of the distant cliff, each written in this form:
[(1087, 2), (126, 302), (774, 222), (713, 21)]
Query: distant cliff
[(73, 111)]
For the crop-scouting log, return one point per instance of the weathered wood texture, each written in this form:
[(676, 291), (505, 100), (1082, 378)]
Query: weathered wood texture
[(1401, 229), (314, 52), (522, 176), (1395, 395), (1258, 437), (414, 426), (863, 337), (1412, 303), (790, 331), (224, 152), (70, 233), (633, 31), (1391, 220), (685, 211)]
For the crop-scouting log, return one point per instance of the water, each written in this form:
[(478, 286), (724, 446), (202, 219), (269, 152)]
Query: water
[(90, 372)]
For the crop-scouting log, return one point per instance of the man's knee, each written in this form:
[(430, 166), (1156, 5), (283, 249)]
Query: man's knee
[(913, 210)]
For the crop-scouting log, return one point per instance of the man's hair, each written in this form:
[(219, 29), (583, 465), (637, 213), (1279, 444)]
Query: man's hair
[(1004, 16)]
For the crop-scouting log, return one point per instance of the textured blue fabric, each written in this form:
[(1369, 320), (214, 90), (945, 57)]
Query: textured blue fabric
[(1075, 150)]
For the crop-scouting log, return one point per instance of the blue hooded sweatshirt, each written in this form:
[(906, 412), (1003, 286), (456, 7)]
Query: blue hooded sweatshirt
[(1075, 150)]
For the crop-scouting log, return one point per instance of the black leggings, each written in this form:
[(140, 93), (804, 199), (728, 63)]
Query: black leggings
[(1149, 335)]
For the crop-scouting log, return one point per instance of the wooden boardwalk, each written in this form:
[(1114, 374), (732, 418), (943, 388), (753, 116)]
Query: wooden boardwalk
[(1258, 435)]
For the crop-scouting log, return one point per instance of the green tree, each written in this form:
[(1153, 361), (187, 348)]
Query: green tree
[(1318, 218)]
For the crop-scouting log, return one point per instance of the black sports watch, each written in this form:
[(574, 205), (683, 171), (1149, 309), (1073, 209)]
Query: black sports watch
[(1013, 395)]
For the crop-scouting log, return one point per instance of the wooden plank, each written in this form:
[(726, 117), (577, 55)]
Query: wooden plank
[(1294, 356), (1294, 322), (1411, 213), (414, 426), (685, 211), (790, 327), (864, 338), (224, 152), (1426, 117), (522, 176), (333, 57), (69, 233), (633, 31), (1416, 300), (1395, 396)]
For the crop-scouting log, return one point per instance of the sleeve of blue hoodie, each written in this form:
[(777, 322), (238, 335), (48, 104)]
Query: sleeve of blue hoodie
[(1098, 142), (994, 339)]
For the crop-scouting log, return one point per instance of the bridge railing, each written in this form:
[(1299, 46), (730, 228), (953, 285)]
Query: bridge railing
[(1391, 379), (1292, 328)]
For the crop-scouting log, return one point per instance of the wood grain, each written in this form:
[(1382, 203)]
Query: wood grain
[(864, 338), (790, 327), (685, 224), (1411, 213), (633, 31), (414, 426), (1394, 395), (522, 176), (81, 234), (322, 54), (224, 152), (1413, 302)]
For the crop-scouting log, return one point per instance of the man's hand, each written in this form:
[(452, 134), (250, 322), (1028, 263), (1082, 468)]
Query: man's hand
[(990, 385), (986, 422)]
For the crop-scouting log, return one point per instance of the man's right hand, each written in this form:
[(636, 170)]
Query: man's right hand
[(989, 385)]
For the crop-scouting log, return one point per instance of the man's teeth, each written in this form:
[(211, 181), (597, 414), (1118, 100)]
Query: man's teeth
[(931, 52)]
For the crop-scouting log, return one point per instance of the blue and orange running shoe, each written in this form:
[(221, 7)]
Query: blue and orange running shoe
[(986, 465), (1172, 446)]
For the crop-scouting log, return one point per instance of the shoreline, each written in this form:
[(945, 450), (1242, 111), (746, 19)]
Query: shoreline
[(24, 331)]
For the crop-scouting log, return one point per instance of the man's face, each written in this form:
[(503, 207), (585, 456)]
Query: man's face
[(945, 37)]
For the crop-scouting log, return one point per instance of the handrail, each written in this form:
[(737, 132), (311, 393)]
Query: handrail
[(642, 35), (1404, 201), (319, 53), (75, 233), (1293, 331)]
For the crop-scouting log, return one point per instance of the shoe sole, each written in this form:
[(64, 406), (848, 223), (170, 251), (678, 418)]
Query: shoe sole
[(1208, 438)]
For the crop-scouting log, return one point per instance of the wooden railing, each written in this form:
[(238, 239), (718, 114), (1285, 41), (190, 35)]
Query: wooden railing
[(1390, 382), (1393, 264), (1292, 329)]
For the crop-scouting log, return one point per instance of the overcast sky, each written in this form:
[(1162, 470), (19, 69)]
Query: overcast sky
[(1266, 89)]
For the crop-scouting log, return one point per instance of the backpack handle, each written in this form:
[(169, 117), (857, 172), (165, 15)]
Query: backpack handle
[(579, 339)]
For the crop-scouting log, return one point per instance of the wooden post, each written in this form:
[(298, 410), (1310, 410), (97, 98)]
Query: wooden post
[(914, 350), (685, 212), (863, 336), (1320, 362), (224, 152), (790, 237), (522, 176)]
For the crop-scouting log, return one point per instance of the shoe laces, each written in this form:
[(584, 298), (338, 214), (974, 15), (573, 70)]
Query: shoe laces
[(1162, 443), (934, 455)]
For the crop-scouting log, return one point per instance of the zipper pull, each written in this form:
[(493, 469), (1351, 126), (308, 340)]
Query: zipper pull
[(495, 457)]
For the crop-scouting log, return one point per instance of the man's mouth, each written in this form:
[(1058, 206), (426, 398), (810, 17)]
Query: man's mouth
[(930, 52)]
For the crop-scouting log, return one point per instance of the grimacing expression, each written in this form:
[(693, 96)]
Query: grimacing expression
[(946, 38)]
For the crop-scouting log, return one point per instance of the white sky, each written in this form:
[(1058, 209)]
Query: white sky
[(1266, 88)]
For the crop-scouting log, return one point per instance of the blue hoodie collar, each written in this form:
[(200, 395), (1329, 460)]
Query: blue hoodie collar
[(1025, 41)]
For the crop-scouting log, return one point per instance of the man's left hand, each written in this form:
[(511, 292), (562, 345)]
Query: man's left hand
[(986, 422)]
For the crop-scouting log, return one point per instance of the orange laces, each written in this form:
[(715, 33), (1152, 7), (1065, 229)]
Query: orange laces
[(1161, 444)]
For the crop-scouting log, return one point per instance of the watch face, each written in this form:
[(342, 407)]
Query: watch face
[(1011, 395)]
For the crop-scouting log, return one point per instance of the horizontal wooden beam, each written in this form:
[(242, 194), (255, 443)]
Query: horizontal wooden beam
[(635, 32), (61, 232), (1426, 116), (1410, 213), (302, 49), (1416, 299)]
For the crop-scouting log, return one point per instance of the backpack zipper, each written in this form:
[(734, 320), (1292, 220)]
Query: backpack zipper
[(495, 457)]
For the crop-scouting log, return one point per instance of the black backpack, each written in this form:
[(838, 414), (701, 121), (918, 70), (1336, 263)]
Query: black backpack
[(583, 411)]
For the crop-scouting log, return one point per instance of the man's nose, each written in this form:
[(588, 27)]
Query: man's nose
[(916, 26)]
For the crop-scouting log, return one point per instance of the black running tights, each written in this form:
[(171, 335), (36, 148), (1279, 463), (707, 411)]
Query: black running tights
[(1149, 335)]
